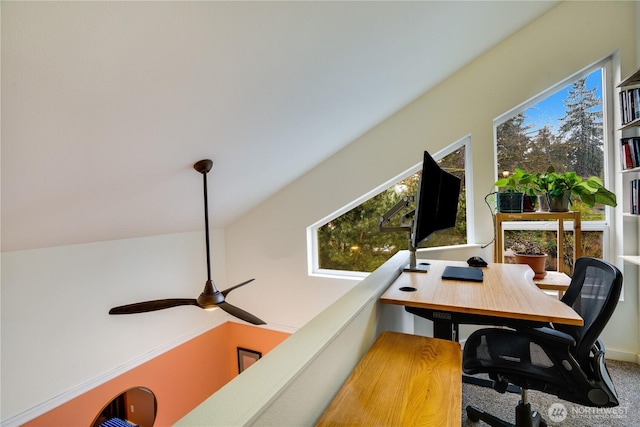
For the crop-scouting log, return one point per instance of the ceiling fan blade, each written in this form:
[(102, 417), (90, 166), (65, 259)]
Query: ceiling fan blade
[(226, 291), (240, 313), (160, 304)]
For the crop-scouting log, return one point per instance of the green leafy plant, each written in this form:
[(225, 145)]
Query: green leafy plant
[(517, 182), (589, 191), (541, 182)]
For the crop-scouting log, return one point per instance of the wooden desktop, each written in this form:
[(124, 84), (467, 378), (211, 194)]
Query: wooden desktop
[(506, 295)]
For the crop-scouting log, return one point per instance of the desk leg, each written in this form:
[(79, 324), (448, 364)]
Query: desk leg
[(445, 330)]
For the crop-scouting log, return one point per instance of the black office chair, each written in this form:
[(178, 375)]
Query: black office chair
[(566, 361)]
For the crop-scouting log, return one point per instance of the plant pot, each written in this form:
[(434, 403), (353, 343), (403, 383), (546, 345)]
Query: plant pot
[(529, 203), (509, 202), (536, 262), (561, 203), (543, 203)]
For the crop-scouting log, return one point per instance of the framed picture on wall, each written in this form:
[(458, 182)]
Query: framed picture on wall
[(247, 358)]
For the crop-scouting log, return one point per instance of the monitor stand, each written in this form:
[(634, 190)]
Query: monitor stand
[(413, 266), (406, 225)]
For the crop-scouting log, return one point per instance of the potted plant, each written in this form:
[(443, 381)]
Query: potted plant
[(530, 197), (559, 187), (510, 196), (541, 183), (531, 252)]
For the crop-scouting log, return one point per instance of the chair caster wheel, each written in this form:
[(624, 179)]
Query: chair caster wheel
[(472, 414)]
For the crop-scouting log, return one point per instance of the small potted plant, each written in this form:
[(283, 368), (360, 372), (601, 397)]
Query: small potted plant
[(530, 196), (541, 183), (511, 193), (559, 187), (532, 252)]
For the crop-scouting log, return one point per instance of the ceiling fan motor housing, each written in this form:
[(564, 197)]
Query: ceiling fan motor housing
[(210, 298)]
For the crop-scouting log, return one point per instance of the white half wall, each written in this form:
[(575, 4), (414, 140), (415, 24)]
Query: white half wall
[(295, 382)]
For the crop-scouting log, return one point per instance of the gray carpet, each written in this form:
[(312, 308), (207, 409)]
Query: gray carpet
[(626, 379)]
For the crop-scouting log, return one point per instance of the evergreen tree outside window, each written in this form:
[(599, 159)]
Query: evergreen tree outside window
[(352, 241), (565, 130)]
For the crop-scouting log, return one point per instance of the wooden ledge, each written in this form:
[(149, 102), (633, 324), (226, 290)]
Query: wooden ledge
[(403, 380)]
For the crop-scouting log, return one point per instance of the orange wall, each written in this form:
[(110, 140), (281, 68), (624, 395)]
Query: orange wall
[(181, 378)]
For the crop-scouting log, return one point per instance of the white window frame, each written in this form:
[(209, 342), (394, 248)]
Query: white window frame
[(607, 134), (312, 230)]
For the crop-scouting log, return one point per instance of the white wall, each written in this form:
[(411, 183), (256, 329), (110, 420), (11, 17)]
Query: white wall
[(270, 241), (57, 335)]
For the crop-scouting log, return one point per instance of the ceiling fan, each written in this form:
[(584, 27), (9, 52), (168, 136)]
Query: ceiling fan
[(210, 297)]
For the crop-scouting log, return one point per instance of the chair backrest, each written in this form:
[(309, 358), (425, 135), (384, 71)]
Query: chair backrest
[(593, 293)]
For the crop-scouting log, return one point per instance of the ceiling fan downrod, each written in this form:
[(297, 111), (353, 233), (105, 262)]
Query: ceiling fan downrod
[(204, 166)]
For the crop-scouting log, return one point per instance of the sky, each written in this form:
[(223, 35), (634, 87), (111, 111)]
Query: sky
[(549, 110)]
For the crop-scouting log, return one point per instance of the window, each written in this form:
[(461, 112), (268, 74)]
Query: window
[(350, 241), (563, 128)]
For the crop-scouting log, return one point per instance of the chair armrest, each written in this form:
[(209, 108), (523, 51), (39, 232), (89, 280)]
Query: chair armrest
[(550, 334)]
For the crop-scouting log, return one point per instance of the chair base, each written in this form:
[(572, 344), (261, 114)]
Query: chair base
[(524, 417), (483, 382)]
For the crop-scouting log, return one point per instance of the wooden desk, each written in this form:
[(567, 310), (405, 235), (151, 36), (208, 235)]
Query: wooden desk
[(506, 295), (404, 380)]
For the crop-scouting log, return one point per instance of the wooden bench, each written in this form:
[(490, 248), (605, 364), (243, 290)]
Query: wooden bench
[(403, 380)]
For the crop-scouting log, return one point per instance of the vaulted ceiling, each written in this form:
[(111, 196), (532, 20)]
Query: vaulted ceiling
[(106, 105)]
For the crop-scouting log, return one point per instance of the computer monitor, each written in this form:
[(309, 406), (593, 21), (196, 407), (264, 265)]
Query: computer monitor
[(436, 206)]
